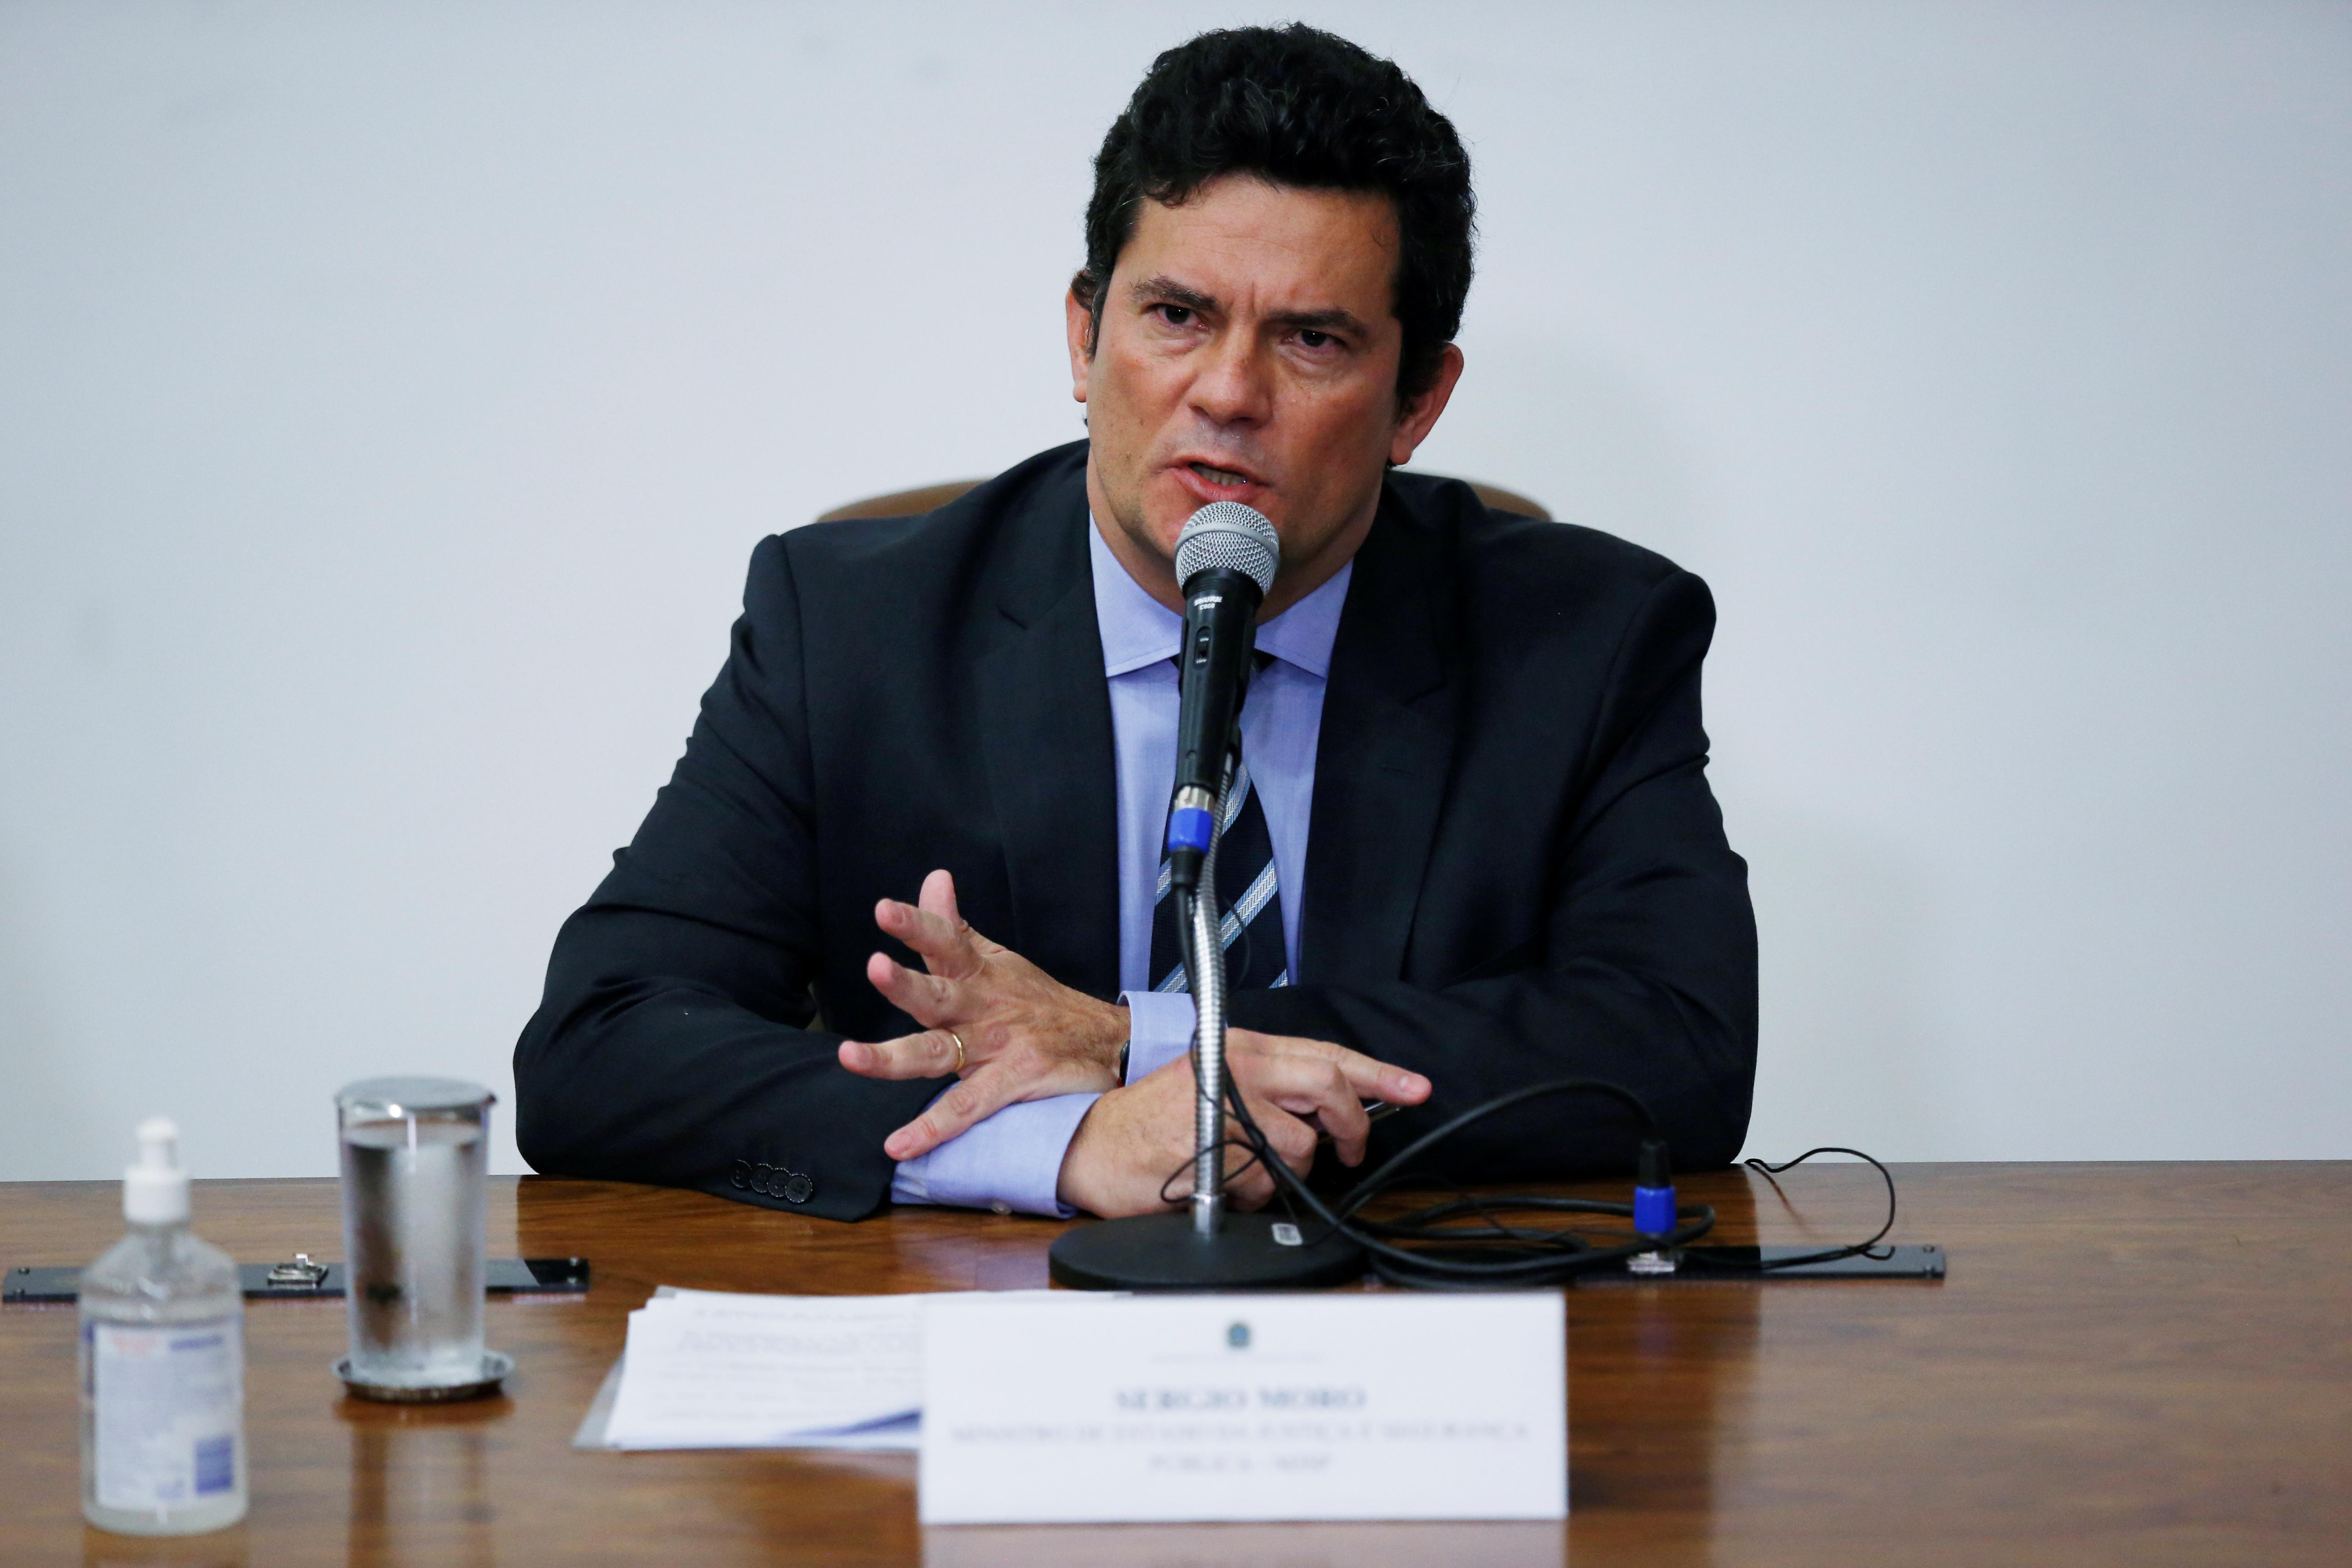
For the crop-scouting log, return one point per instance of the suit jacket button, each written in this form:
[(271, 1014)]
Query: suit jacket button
[(797, 1188), (741, 1174)]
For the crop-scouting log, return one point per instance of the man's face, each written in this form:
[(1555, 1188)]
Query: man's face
[(1248, 351)]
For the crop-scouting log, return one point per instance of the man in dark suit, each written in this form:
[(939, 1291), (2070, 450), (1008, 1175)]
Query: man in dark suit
[(1486, 851)]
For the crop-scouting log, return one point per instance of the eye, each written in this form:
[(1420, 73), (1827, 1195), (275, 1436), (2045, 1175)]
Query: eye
[(1174, 315), (1311, 338)]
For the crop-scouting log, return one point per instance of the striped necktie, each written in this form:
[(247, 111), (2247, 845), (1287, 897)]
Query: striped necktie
[(1249, 904)]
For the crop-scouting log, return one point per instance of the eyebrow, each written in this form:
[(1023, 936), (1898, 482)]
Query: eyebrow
[(1164, 288), (1334, 320), (1167, 288)]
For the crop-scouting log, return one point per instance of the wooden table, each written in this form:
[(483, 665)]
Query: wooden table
[(2139, 1364)]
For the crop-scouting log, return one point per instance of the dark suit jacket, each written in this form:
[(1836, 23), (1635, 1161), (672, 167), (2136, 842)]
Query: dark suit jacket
[(1515, 869)]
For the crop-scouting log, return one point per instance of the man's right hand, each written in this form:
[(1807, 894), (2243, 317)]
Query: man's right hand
[(1138, 1137)]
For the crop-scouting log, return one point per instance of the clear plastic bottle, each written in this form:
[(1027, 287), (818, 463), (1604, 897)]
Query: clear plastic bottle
[(163, 1365)]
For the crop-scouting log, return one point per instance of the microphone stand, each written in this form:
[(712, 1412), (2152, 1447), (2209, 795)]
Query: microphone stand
[(1204, 964), (1206, 1248), (1204, 971)]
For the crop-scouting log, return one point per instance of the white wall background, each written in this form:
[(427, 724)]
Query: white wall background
[(390, 397)]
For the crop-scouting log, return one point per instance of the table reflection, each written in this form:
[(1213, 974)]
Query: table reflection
[(420, 1484), (1632, 1446), (222, 1549)]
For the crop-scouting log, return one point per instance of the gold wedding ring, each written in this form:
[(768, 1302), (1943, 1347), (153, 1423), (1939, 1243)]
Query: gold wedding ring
[(959, 1044)]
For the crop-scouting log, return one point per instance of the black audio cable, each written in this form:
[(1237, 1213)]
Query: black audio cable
[(1859, 1248), (1425, 1249), (1436, 1254)]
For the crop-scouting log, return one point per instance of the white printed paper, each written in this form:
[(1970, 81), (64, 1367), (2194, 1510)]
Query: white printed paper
[(708, 1369), (1198, 1408)]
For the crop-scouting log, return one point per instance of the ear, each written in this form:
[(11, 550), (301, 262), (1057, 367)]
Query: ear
[(1080, 324), (1420, 415)]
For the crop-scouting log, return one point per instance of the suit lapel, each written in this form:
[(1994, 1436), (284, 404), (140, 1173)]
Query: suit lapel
[(1044, 712), (1381, 763)]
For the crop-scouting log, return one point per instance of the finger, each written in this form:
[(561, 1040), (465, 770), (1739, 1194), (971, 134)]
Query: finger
[(939, 898), (1292, 1141), (943, 939), (945, 948), (1287, 1138), (940, 885), (926, 998), (967, 1103), (1332, 1106), (1246, 1188), (928, 1055), (1250, 1183), (1311, 1085), (1370, 1078)]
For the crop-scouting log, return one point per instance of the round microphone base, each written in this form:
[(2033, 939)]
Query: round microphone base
[(1162, 1252)]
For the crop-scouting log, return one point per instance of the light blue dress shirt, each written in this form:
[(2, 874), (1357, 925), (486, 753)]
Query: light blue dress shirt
[(1012, 1160)]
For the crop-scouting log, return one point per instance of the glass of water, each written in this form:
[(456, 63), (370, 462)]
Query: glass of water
[(415, 1161)]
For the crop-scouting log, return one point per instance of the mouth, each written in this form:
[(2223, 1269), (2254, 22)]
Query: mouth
[(1212, 482)]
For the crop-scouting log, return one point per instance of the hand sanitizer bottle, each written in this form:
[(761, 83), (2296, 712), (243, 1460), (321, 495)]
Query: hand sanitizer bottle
[(163, 1363)]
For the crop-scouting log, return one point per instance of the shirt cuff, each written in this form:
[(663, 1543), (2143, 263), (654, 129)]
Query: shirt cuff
[(1010, 1163), (1158, 1030)]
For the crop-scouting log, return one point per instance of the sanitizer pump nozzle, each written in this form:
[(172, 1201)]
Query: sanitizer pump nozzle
[(155, 1190)]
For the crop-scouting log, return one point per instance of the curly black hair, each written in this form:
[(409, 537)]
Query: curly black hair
[(1301, 107)]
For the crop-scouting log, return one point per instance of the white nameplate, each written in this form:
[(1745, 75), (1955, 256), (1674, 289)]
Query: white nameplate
[(1148, 1409)]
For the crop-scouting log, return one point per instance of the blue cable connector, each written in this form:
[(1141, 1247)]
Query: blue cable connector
[(1190, 827), (1654, 1191), (1654, 1210)]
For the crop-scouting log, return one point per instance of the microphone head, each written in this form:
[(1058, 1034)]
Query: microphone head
[(1225, 535)]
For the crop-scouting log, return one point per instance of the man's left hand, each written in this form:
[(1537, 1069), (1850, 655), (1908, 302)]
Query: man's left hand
[(1026, 1035)]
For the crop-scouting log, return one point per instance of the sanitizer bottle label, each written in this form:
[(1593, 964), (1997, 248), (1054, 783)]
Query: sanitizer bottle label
[(170, 1402)]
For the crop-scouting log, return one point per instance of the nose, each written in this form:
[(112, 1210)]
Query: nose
[(1233, 384)]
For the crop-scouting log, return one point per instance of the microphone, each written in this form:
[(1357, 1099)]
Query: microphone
[(1226, 560)]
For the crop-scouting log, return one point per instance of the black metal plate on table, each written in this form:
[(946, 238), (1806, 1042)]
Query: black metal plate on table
[(32, 1287), (1720, 1265)]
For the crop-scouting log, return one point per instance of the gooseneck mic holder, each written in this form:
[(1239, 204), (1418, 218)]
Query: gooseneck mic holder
[(1204, 973), (1225, 559), (1209, 1054)]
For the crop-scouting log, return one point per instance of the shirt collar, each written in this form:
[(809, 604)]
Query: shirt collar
[(1139, 631)]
